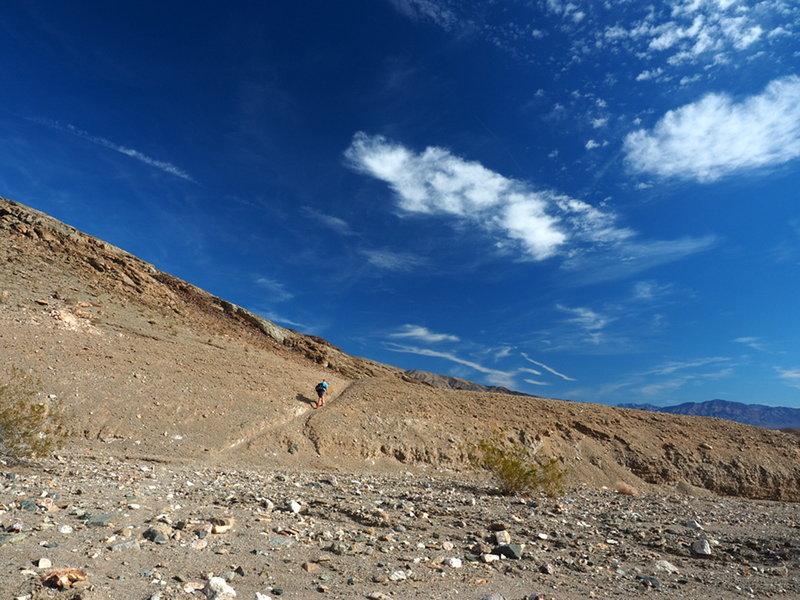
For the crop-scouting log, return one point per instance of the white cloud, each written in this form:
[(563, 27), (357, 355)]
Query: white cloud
[(423, 333), (591, 145), (334, 223), (277, 289), (649, 74), (435, 181), (752, 342), (392, 261), (429, 10), (650, 290), (496, 376), (135, 154), (586, 318), (716, 136), (599, 122), (546, 368), (535, 382), (674, 366), (791, 376), (630, 257)]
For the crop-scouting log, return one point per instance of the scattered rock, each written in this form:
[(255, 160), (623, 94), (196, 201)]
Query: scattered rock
[(701, 547), (509, 551), (217, 588)]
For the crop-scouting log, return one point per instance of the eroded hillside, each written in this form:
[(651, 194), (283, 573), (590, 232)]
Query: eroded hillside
[(147, 365)]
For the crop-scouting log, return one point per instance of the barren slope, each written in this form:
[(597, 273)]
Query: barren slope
[(148, 365)]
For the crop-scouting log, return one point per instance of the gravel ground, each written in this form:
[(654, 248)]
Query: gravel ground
[(154, 530)]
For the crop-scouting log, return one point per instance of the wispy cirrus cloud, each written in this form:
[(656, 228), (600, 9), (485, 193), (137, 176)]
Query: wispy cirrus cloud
[(630, 258), (423, 333), (671, 367), (547, 368), (495, 376), (392, 261), (428, 10), (105, 143), (790, 376), (717, 136), (329, 221), (752, 342), (586, 318), (278, 290)]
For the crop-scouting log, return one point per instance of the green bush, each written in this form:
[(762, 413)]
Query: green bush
[(28, 425), (515, 468)]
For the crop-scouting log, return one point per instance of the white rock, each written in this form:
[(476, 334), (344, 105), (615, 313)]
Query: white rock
[(65, 529), (489, 558), (446, 545), (295, 507), (502, 537), (260, 596), (453, 562), (665, 565), (398, 576), (44, 563), (218, 589), (543, 536)]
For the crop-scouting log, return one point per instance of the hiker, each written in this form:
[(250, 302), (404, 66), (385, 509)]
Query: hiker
[(322, 391)]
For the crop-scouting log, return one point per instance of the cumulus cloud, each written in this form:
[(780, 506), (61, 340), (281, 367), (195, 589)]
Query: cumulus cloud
[(436, 182), (717, 136), (423, 333)]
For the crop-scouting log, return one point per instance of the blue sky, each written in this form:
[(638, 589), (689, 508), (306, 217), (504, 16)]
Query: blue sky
[(595, 201)]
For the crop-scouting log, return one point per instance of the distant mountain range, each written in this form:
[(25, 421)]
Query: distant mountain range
[(770, 417)]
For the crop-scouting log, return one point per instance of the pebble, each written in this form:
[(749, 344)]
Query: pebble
[(398, 576), (453, 562), (295, 507), (44, 563)]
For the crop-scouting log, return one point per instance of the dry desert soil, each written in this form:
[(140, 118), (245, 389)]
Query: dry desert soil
[(192, 459)]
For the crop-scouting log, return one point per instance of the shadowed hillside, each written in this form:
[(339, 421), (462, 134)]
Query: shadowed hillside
[(146, 365)]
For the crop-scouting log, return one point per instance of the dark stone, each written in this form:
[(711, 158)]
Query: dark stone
[(99, 520), (29, 505), (509, 551), (648, 581), (11, 538)]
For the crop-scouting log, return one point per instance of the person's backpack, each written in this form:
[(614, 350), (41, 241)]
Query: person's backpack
[(321, 387)]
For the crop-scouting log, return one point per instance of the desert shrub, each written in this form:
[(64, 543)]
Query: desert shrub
[(515, 468), (626, 489), (28, 425)]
